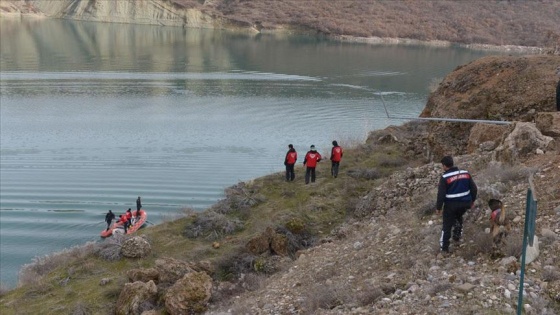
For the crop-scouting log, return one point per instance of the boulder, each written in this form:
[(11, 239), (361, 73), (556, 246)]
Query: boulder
[(171, 269), (189, 295), (136, 247), (268, 241), (521, 142), (136, 298), (143, 275), (532, 252), (485, 137), (513, 88), (549, 124)]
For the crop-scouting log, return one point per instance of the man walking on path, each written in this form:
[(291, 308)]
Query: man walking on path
[(311, 159), (336, 156), (457, 191), (109, 217), (289, 162)]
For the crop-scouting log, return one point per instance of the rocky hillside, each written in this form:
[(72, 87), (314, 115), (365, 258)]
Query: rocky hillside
[(363, 243), (497, 22), (385, 259)]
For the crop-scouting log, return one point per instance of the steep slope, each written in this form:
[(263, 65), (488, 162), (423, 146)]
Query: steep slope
[(497, 23)]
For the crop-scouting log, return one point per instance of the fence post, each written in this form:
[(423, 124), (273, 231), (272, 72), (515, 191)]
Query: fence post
[(528, 236)]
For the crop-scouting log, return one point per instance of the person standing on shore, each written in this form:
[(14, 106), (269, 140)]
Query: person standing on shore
[(109, 217), (289, 162), (311, 159), (336, 156), (138, 205), (457, 191)]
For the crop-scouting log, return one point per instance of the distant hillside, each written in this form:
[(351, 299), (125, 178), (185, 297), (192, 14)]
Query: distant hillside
[(519, 23)]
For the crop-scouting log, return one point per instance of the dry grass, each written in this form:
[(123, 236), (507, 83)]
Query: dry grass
[(40, 266), (526, 23)]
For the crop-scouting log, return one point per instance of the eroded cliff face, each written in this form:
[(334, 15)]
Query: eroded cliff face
[(491, 88), (154, 12)]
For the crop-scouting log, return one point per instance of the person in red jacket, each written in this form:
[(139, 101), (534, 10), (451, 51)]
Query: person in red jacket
[(123, 220), (336, 156), (289, 162), (129, 216), (311, 159)]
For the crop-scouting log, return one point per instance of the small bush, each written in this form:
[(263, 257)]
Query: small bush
[(81, 309), (110, 248), (391, 161), (229, 267), (322, 297), (369, 295), (41, 266), (513, 246), (365, 173), (212, 225)]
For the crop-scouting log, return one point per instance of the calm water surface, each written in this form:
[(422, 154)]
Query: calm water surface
[(94, 115)]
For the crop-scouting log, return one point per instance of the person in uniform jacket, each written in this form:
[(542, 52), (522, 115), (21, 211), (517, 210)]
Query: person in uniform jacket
[(289, 162), (311, 159), (336, 156), (456, 194), (138, 205)]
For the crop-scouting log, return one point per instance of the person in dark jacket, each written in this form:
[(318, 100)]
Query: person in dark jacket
[(336, 156), (109, 217), (289, 162), (456, 194), (311, 159), (138, 205)]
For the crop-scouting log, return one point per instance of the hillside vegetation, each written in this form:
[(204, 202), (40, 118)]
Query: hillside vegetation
[(363, 243), (492, 22)]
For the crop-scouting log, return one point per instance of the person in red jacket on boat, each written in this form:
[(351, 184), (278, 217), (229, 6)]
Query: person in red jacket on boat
[(129, 216), (336, 156), (124, 221), (311, 159), (289, 162)]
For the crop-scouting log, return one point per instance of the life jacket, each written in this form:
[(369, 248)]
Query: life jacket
[(458, 185), (122, 218), (129, 215), (336, 154), (291, 156), (311, 158)]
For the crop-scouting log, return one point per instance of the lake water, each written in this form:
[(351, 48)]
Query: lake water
[(94, 115)]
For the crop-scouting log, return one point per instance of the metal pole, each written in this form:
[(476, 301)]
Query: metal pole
[(524, 251)]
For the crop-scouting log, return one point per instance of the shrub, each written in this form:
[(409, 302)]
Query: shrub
[(369, 295), (40, 266), (212, 225), (110, 248), (365, 173)]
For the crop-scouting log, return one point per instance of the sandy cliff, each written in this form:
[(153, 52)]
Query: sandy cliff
[(154, 12)]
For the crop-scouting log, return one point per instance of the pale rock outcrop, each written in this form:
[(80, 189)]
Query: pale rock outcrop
[(532, 252), (171, 269), (124, 11), (136, 297), (189, 295), (485, 137), (524, 140), (549, 123), (136, 247), (144, 275)]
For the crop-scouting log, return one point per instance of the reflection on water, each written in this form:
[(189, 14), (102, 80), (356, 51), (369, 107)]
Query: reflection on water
[(94, 115)]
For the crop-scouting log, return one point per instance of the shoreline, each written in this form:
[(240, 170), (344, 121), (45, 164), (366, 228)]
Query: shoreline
[(289, 29)]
